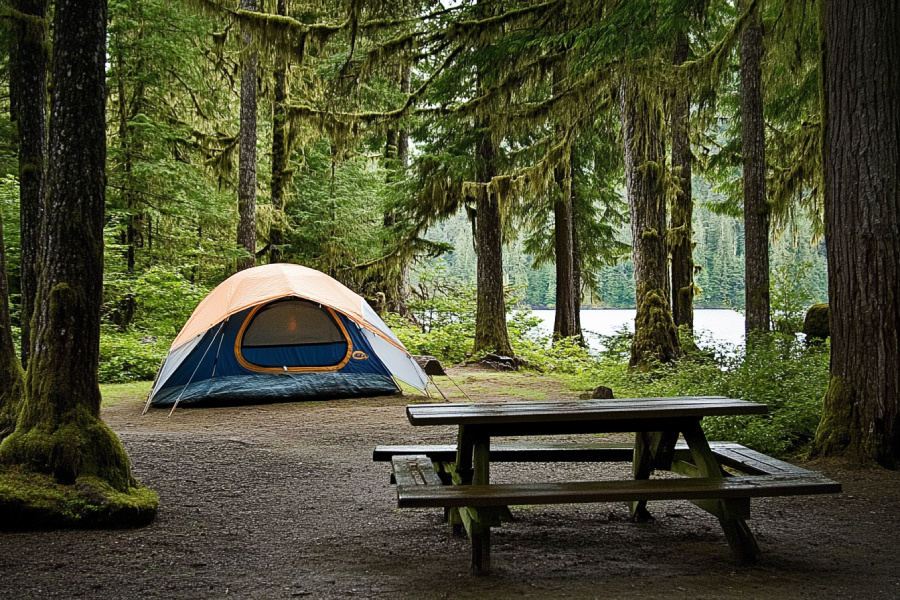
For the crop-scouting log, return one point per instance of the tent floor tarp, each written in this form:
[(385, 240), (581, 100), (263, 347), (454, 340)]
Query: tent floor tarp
[(263, 387)]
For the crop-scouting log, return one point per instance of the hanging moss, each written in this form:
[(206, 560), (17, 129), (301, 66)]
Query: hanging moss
[(30, 500), (656, 337)]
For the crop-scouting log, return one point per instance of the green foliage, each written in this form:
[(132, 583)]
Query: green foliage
[(791, 293), (161, 300), (130, 356), (779, 372), (442, 317)]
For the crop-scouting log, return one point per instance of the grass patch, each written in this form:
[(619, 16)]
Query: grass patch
[(116, 393)]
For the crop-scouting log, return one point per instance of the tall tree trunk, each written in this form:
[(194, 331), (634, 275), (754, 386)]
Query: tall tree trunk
[(246, 237), (127, 113), (861, 413), (396, 152), (756, 209), (564, 319), (28, 91), (655, 335), (59, 430), (577, 266), (281, 151), (11, 375), (683, 206)]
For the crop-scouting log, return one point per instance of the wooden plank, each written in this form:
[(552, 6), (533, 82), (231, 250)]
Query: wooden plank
[(757, 486), (579, 410), (596, 452), (753, 462), (414, 470)]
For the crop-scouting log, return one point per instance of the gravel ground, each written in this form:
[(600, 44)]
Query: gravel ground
[(284, 501)]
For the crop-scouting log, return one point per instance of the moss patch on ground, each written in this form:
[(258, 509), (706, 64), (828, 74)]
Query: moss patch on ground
[(30, 501)]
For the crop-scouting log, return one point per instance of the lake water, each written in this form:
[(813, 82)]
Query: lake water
[(715, 326)]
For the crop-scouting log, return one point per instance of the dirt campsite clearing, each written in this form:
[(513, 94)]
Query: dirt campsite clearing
[(284, 501)]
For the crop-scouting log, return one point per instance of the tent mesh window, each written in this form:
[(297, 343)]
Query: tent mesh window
[(291, 323)]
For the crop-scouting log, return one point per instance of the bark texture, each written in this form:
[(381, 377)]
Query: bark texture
[(756, 208), (655, 335), (59, 430), (11, 375), (564, 319), (281, 151), (861, 413), (490, 316), (28, 96), (396, 280), (681, 234), (246, 235)]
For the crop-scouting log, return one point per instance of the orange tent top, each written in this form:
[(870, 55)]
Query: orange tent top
[(270, 282)]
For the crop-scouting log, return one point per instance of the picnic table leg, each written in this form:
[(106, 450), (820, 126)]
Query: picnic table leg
[(737, 532), (481, 532), (652, 450), (464, 455)]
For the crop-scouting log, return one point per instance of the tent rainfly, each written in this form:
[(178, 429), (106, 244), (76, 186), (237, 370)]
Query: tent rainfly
[(283, 332)]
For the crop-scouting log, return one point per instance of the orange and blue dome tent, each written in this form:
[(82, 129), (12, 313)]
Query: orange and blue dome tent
[(282, 332)]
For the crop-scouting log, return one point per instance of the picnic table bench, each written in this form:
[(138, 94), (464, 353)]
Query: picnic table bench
[(456, 477)]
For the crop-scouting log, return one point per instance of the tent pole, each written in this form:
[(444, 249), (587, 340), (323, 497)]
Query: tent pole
[(174, 406)]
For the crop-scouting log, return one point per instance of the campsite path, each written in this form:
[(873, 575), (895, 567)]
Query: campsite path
[(282, 501)]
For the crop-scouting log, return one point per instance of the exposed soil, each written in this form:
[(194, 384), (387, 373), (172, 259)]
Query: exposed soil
[(283, 500)]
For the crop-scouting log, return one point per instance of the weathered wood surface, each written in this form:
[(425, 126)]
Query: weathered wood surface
[(711, 488), (729, 454), (579, 410), (416, 470)]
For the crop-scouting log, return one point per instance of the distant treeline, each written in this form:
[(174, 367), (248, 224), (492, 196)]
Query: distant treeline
[(798, 262)]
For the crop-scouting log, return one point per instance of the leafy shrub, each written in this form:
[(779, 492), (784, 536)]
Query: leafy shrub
[(778, 371), (130, 356)]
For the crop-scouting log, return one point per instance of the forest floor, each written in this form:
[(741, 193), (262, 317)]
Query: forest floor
[(284, 501)]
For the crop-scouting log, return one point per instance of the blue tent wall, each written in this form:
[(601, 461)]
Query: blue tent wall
[(216, 376)]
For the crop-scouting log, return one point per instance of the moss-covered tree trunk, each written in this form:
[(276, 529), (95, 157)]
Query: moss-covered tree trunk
[(564, 319), (281, 151), (577, 261), (681, 235), (490, 316), (756, 208), (861, 414), (59, 430), (655, 335), (246, 235), (11, 375), (395, 279), (28, 103)]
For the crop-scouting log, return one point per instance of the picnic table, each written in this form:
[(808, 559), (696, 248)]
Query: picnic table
[(457, 477)]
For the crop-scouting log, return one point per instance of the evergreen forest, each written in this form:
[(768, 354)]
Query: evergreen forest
[(450, 161)]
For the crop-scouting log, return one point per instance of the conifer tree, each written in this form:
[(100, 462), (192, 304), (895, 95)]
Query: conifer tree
[(753, 149), (655, 335), (681, 232), (861, 412), (11, 374), (247, 163), (28, 91), (59, 430)]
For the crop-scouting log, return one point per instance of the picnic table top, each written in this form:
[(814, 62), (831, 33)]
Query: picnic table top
[(578, 410)]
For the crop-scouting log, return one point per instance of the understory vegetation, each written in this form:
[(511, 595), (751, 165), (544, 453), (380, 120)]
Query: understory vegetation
[(776, 369)]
